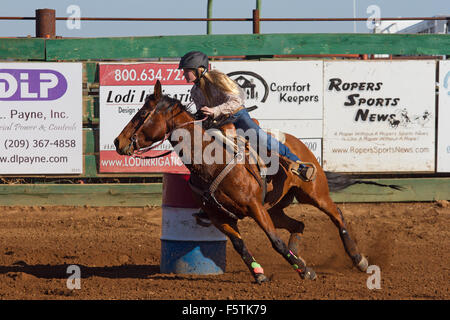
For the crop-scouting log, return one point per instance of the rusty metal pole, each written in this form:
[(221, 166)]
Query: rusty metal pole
[(45, 23), (256, 21)]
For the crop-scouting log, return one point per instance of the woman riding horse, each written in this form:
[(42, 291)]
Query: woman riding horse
[(218, 96), (237, 190)]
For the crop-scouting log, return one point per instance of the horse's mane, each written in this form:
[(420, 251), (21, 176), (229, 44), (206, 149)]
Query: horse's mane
[(167, 103)]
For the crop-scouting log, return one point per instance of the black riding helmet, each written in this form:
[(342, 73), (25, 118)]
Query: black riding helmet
[(194, 60)]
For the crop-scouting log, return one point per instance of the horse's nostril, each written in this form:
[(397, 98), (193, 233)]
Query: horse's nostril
[(116, 143)]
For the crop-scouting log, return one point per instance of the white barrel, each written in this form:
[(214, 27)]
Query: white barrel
[(186, 247)]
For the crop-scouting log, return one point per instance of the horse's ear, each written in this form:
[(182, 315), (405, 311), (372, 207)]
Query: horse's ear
[(157, 90)]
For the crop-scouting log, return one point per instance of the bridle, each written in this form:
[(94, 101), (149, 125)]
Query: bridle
[(138, 151)]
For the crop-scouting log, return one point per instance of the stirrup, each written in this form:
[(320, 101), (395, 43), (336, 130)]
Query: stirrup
[(296, 169)]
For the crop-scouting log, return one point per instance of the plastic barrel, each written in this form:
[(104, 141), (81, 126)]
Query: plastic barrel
[(186, 247)]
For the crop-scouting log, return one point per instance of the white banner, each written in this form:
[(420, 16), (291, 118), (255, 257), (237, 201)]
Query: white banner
[(41, 118), (379, 116), (289, 94), (443, 145)]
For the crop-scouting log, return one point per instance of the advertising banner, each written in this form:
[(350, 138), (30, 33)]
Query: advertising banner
[(443, 136), (289, 95), (41, 118), (379, 116), (123, 89)]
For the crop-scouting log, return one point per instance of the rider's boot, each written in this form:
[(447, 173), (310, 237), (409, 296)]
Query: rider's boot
[(306, 173), (201, 218)]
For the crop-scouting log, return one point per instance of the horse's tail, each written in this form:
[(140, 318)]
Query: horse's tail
[(338, 182)]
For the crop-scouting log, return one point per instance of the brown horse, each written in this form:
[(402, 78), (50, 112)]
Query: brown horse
[(240, 192)]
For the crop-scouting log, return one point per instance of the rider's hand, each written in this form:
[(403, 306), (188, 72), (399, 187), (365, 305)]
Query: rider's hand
[(207, 111)]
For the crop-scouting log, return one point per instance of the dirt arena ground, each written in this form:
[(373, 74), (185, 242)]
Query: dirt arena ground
[(118, 251)]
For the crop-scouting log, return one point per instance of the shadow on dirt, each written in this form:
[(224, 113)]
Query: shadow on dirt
[(20, 269), (61, 271)]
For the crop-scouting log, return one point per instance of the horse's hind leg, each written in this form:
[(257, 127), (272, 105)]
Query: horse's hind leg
[(229, 227), (293, 226), (350, 246), (325, 204)]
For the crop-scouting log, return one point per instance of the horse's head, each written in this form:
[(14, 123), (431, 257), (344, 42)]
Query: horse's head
[(146, 127)]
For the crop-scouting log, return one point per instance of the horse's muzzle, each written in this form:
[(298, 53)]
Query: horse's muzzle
[(117, 145), (119, 150)]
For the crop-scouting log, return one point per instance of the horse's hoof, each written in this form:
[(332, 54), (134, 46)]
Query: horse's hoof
[(260, 278), (309, 274), (363, 264)]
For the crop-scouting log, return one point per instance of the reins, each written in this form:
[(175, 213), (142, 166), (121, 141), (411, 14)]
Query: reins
[(207, 195), (139, 151)]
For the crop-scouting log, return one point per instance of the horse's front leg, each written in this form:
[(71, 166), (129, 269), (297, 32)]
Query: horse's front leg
[(262, 217), (229, 227)]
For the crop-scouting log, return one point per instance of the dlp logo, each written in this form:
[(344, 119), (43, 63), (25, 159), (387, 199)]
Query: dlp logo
[(31, 85)]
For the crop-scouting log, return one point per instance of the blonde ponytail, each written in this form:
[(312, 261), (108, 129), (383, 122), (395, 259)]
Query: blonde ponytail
[(217, 79)]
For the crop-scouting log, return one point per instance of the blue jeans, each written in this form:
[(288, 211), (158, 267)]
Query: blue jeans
[(242, 120)]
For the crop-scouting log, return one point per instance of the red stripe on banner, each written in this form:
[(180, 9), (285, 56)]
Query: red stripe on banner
[(111, 161), (140, 74), (176, 191)]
